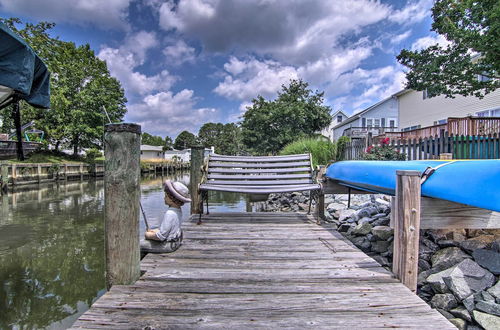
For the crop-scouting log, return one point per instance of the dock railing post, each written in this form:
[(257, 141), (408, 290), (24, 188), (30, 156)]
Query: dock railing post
[(122, 197), (407, 227), (195, 178), (4, 172)]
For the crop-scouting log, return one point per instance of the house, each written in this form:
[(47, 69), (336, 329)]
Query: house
[(337, 117), (378, 118), (151, 152), (185, 154), (417, 110)]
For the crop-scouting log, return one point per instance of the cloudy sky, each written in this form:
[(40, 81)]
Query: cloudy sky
[(186, 62)]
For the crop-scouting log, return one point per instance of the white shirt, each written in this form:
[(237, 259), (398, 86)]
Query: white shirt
[(170, 227)]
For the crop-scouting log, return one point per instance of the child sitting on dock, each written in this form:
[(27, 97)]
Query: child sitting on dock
[(176, 194)]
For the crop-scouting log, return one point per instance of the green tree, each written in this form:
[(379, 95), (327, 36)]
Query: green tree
[(168, 144), (230, 140), (81, 86), (152, 140), (185, 140), (473, 29), (209, 135), (268, 126)]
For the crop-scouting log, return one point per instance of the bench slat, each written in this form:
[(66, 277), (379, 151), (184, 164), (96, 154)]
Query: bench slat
[(264, 170), (260, 189), (259, 182), (259, 159), (256, 165), (259, 176)]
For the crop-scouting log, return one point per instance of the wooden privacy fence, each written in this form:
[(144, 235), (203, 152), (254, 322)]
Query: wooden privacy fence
[(460, 146), (16, 174)]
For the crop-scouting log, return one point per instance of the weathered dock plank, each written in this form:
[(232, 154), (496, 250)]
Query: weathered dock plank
[(264, 270)]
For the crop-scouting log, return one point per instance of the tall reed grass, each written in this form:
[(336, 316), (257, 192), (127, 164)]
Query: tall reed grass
[(322, 150)]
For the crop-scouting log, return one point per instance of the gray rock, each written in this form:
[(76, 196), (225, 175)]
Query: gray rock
[(495, 290), (362, 229), (435, 235), (488, 307), (364, 220), (487, 321), (367, 211), (469, 303), (459, 323), (332, 207), (381, 222), (462, 313), (362, 243), (446, 314), (383, 261), (484, 296), (424, 252), (430, 244), (479, 242), (488, 259), (382, 232), (444, 301), (371, 238), (346, 214), (495, 246), (380, 246), (344, 227), (467, 278), (447, 243), (423, 265), (436, 280), (329, 199), (448, 257)]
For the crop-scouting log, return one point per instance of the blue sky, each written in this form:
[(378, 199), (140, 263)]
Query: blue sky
[(187, 62)]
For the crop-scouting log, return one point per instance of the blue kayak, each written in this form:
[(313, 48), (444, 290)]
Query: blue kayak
[(471, 182)]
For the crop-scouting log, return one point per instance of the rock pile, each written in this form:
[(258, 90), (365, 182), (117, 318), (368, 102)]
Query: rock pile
[(458, 270)]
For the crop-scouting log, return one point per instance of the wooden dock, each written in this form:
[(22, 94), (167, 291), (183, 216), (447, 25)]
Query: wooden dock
[(261, 270)]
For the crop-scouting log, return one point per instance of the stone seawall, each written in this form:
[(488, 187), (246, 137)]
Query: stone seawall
[(458, 270)]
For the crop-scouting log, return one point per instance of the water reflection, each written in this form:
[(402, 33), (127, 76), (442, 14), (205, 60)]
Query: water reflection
[(52, 247)]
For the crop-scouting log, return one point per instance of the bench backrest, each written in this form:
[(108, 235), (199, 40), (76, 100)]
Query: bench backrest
[(259, 171)]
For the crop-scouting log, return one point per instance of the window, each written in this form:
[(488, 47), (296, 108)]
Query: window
[(339, 118), (363, 122), (482, 78), (369, 122), (392, 123), (382, 122), (426, 94), (489, 113), (376, 122)]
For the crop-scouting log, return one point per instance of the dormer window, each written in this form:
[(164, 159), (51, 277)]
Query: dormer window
[(339, 118)]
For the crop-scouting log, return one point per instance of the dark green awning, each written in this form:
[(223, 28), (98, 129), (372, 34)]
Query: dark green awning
[(22, 72)]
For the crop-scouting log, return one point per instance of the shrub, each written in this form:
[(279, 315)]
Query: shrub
[(322, 150), (341, 145), (383, 152), (92, 154)]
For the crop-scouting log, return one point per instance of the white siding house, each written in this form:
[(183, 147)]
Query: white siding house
[(416, 110), (151, 152), (185, 154), (337, 117), (380, 117)]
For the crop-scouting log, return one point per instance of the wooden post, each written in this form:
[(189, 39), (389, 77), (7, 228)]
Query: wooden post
[(14, 174), (195, 178), (5, 177), (122, 197), (39, 173), (407, 227), (81, 172)]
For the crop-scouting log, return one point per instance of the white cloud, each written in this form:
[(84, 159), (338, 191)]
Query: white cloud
[(179, 53), (293, 32), (107, 14), (245, 79), (396, 39), (425, 42), (166, 113), (414, 12), (123, 62)]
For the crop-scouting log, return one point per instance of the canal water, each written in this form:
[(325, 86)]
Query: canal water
[(52, 248)]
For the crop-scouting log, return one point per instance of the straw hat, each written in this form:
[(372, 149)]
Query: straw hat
[(178, 190)]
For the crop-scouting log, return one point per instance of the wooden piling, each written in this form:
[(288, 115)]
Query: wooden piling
[(122, 197), (195, 178), (13, 175), (4, 172), (407, 228)]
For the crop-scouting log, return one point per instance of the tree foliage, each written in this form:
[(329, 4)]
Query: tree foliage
[(185, 140), (473, 29), (154, 140), (81, 86), (297, 112), (226, 138)]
